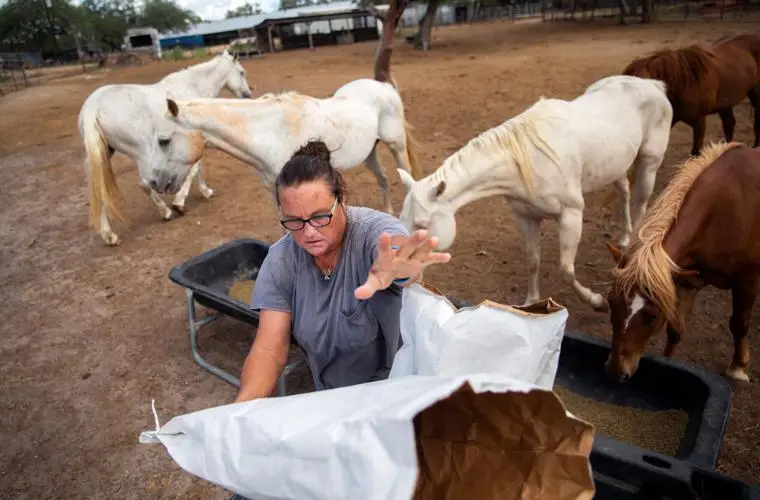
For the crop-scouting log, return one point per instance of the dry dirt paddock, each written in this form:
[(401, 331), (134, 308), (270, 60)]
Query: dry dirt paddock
[(90, 334)]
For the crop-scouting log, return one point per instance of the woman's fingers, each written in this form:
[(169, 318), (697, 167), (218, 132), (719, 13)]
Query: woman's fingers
[(374, 283), (414, 241), (384, 251)]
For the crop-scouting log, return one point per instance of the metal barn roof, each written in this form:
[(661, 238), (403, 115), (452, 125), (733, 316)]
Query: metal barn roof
[(247, 22)]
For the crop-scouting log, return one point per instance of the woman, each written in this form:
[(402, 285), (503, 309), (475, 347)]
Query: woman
[(333, 283)]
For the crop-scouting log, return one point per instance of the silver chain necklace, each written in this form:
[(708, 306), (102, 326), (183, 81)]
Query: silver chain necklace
[(326, 275)]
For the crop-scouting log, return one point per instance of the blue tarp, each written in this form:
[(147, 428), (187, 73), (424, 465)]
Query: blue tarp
[(186, 42)]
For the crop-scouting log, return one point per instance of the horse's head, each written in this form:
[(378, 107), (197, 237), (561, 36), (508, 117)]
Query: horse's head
[(236, 81), (635, 318), (425, 208), (171, 152)]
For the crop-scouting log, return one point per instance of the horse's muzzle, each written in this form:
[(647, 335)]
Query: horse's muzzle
[(165, 186)]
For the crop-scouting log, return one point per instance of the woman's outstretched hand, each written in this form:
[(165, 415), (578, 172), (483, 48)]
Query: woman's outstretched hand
[(412, 256)]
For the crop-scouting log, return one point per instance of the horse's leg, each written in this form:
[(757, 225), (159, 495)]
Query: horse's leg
[(570, 230), (624, 192), (105, 228), (686, 298), (754, 99), (647, 165), (166, 212), (373, 164), (206, 191), (729, 123), (742, 300), (400, 157), (531, 229), (179, 199), (698, 128)]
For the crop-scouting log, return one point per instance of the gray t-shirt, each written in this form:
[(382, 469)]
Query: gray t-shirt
[(346, 341)]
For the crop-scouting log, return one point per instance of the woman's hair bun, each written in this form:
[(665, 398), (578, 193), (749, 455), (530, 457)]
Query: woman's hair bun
[(314, 149)]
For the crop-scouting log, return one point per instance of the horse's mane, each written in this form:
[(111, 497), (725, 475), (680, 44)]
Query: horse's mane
[(682, 70), (650, 268), (193, 67), (511, 140), (280, 96)]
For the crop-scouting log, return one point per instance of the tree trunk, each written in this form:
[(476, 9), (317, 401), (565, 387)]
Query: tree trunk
[(623, 11), (422, 38), (646, 11)]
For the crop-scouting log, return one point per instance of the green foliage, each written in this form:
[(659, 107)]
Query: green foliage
[(246, 9), (292, 4), (175, 54), (50, 25)]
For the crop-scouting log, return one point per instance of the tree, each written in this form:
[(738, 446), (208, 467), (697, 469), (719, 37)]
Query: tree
[(165, 15), (244, 10), (425, 30), (56, 26), (292, 4)]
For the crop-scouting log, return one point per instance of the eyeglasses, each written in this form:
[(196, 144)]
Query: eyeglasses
[(321, 220)]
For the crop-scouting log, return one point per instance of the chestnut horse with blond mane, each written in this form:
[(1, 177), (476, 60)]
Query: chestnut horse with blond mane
[(703, 80), (703, 230)]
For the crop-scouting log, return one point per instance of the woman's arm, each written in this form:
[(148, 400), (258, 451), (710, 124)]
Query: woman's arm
[(267, 357)]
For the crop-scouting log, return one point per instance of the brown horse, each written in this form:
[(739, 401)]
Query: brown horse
[(703, 80), (703, 229)]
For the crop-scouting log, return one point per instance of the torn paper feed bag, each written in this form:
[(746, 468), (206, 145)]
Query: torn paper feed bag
[(519, 342), (371, 440)]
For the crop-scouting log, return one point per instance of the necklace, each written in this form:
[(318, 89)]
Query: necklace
[(326, 274)]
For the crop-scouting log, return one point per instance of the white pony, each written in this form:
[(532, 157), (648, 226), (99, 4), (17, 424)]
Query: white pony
[(123, 118), (266, 131), (544, 161)]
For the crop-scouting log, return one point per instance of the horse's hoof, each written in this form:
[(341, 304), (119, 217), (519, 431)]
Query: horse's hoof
[(207, 193), (736, 373), (110, 239), (179, 209)]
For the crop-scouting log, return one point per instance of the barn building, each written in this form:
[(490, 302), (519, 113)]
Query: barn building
[(310, 26)]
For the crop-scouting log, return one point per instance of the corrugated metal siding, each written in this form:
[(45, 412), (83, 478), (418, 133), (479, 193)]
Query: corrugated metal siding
[(248, 22)]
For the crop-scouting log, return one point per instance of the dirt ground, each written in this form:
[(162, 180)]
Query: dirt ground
[(92, 333)]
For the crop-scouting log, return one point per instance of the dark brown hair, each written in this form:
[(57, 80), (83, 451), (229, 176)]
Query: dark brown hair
[(310, 163)]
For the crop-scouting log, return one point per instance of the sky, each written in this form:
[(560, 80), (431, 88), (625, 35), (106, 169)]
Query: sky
[(212, 10)]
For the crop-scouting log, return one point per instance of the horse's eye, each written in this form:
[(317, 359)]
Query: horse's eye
[(163, 142)]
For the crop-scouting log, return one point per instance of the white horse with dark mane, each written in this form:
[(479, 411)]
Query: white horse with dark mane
[(123, 118), (544, 160)]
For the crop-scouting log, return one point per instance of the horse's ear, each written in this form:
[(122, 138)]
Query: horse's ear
[(173, 108), (406, 179), (439, 189), (616, 253)]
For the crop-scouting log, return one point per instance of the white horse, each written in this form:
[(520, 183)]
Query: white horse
[(544, 161), (123, 118), (266, 131)]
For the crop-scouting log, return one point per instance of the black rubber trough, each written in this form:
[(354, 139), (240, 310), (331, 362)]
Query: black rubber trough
[(659, 384)]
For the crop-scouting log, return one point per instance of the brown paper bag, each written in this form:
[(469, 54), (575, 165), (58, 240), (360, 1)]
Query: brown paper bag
[(486, 447)]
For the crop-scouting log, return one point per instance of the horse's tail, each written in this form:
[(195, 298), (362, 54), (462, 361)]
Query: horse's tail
[(412, 146), (101, 179)]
